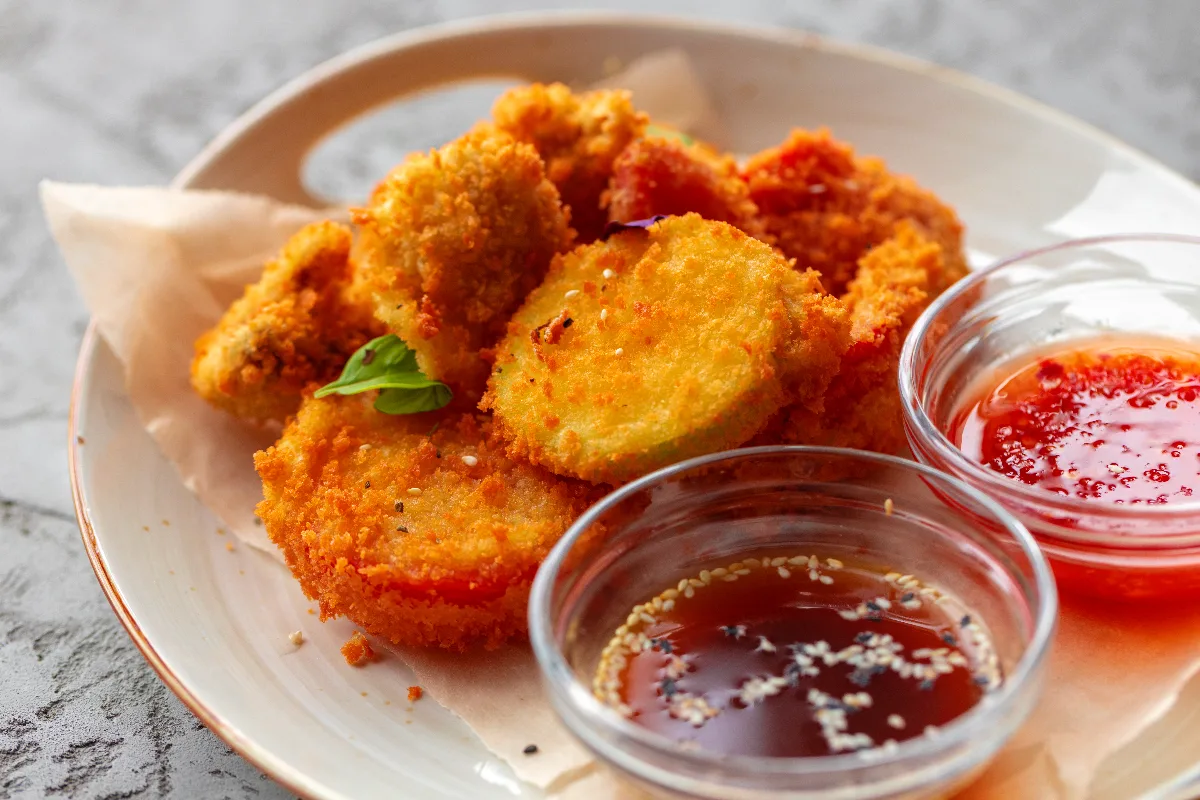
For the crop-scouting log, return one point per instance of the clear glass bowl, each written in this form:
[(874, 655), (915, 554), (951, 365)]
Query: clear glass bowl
[(1142, 285), (712, 510)]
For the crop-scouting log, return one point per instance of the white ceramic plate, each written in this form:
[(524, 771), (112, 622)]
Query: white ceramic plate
[(213, 623)]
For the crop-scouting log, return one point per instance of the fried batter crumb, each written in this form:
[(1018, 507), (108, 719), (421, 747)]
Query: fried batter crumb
[(415, 693), (296, 638), (357, 650)]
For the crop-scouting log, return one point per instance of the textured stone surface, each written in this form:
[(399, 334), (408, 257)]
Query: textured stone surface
[(126, 91)]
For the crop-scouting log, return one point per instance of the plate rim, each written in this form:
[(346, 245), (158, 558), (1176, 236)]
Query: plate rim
[(263, 759)]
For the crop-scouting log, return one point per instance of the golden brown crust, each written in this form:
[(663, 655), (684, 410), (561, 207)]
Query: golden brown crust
[(578, 136), (415, 527), (825, 207), (296, 326), (673, 349), (657, 175), (357, 650), (453, 240), (861, 409)]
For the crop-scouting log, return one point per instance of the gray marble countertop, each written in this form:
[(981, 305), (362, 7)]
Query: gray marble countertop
[(127, 91)]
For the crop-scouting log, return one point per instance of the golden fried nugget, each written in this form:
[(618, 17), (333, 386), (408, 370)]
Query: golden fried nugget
[(825, 208), (894, 284), (452, 241), (578, 136), (651, 347), (665, 175), (296, 326), (414, 527)]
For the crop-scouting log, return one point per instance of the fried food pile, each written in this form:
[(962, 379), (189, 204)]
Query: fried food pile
[(584, 343)]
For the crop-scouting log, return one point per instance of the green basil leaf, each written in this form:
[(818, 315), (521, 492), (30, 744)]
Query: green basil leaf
[(386, 363), (413, 401)]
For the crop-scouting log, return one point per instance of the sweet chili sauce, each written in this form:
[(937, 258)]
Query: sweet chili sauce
[(786, 656), (1103, 420)]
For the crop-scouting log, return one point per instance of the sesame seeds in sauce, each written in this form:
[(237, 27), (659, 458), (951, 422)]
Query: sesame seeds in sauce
[(840, 659)]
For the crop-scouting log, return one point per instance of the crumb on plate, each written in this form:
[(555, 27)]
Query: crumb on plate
[(357, 650)]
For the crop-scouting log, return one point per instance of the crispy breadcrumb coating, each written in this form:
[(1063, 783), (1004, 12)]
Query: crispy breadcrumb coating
[(578, 136), (452, 241), (651, 347), (357, 650), (296, 326), (665, 175), (414, 527), (861, 409), (825, 207)]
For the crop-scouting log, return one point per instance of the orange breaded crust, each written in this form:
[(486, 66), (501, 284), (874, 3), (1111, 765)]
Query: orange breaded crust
[(357, 650), (578, 136), (658, 175), (296, 326), (423, 536), (651, 347), (861, 409), (825, 207), (452, 241)]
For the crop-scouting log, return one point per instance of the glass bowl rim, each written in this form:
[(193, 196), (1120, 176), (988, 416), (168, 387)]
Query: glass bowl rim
[(558, 674), (931, 435)]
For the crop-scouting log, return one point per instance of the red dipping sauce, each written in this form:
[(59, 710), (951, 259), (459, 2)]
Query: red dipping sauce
[(1102, 421), (1112, 423)]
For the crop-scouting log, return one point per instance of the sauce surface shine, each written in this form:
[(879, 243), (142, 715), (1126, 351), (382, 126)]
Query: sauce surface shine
[(1106, 420), (796, 656)]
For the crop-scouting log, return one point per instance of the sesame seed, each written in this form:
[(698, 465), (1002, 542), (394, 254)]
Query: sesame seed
[(896, 721), (571, 293), (888, 506), (604, 313), (470, 461), (296, 638), (620, 351), (364, 447), (608, 273), (834, 563), (414, 492), (783, 572), (817, 188)]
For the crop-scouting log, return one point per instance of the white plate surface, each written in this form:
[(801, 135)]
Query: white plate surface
[(214, 623)]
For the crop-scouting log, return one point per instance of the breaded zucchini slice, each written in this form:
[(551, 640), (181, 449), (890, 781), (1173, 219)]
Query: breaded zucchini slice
[(578, 136), (651, 347), (294, 327), (414, 527), (452, 241)]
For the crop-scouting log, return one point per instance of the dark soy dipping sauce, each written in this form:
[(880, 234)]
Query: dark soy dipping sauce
[(806, 657)]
